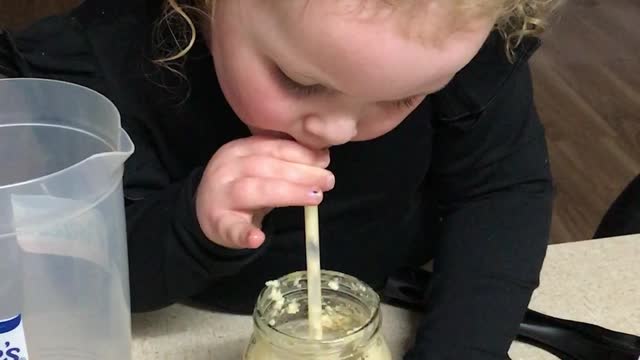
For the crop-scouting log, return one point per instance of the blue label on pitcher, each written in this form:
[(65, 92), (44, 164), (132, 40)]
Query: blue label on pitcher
[(13, 345)]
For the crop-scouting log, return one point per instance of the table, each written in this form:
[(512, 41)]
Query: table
[(596, 281)]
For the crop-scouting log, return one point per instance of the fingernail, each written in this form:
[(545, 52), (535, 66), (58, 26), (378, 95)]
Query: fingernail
[(331, 181), (254, 238), (253, 241), (325, 159)]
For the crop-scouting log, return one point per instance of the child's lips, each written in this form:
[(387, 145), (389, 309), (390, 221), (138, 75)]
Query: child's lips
[(285, 136), (281, 135), (272, 133)]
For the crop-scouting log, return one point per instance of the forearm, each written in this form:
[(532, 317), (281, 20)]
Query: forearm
[(487, 265), (170, 258)]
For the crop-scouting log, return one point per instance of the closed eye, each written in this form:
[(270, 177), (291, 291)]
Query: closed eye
[(407, 103), (296, 88)]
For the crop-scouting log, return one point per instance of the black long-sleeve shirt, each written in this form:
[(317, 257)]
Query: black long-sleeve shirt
[(465, 175)]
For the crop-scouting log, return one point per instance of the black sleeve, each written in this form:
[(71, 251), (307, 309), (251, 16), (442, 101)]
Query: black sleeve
[(170, 259), (492, 175), (9, 62)]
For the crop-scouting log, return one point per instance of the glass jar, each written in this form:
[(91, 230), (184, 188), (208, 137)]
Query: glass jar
[(351, 321)]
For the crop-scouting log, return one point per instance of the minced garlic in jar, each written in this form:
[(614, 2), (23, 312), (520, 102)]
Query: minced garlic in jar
[(350, 319)]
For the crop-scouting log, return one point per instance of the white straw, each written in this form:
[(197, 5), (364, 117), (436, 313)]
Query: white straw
[(314, 284)]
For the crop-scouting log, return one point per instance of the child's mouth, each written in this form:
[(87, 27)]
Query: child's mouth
[(271, 133)]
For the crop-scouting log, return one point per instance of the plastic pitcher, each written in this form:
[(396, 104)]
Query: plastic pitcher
[(64, 288)]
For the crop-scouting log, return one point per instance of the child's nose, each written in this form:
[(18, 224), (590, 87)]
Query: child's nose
[(332, 130)]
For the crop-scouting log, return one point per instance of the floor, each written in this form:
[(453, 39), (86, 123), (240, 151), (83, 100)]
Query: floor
[(587, 81), (15, 14)]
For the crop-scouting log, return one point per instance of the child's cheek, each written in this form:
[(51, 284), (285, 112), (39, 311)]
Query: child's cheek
[(264, 105)]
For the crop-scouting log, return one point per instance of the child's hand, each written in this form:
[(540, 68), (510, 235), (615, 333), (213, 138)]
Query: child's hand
[(246, 178)]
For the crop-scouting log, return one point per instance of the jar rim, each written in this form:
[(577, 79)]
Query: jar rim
[(373, 321)]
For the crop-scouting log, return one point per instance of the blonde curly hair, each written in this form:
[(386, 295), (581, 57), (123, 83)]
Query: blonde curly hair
[(516, 19)]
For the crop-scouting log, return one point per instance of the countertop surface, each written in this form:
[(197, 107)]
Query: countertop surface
[(595, 281)]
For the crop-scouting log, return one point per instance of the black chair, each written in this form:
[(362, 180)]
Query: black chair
[(623, 217)]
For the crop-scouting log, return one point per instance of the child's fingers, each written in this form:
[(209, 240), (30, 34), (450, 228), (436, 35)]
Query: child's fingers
[(248, 176), (238, 232), (273, 168), (250, 193), (254, 239), (287, 150)]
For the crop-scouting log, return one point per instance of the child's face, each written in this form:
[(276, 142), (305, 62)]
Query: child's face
[(326, 77)]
